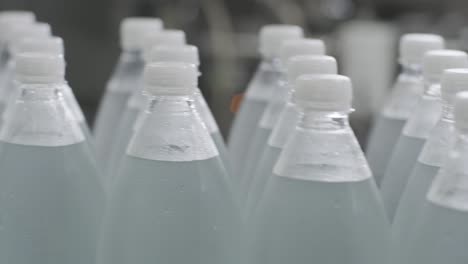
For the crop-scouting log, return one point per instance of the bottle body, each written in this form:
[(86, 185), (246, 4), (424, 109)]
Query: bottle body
[(247, 118), (172, 192), (126, 78), (320, 202), (263, 130), (50, 186), (389, 124), (409, 146)]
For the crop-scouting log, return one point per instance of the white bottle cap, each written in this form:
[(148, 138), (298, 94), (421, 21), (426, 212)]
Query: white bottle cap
[(272, 37), (453, 81), (133, 31), (461, 111), (168, 37), (310, 64), (414, 46), (23, 31), (17, 16), (50, 45), (327, 92), (436, 61), (184, 54), (40, 68), (171, 78), (291, 48)]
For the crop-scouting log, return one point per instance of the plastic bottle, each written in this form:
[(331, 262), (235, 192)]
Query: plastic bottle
[(52, 46), (321, 204), (14, 35), (432, 156), (258, 92), (404, 96), (418, 126), (137, 101), (275, 105), (52, 199), (287, 121), (172, 201), (440, 235), (124, 79)]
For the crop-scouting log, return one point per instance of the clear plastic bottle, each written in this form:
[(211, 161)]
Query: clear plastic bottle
[(51, 196), (440, 235), (138, 99), (124, 79), (287, 121), (321, 204), (52, 46), (431, 158), (14, 35), (418, 126), (172, 201), (404, 96), (275, 105), (258, 93)]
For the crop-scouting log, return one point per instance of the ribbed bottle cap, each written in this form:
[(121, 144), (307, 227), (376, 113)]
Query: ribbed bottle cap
[(414, 46), (50, 45), (436, 61), (184, 54), (40, 68), (17, 16), (461, 111), (272, 37), (23, 31), (171, 78), (310, 64), (133, 31), (168, 37), (453, 81), (291, 48), (327, 92)]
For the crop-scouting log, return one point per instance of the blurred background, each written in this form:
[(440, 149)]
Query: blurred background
[(362, 34)]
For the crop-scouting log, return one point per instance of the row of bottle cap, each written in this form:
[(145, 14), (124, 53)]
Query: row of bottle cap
[(323, 89)]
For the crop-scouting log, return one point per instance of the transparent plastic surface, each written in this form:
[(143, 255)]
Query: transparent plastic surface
[(171, 193), (253, 156), (52, 201), (276, 103), (411, 203), (383, 138), (433, 153), (70, 101), (132, 116), (262, 175), (450, 188), (343, 220), (426, 113), (40, 117), (323, 148), (125, 79), (440, 236), (249, 114), (158, 208), (399, 168)]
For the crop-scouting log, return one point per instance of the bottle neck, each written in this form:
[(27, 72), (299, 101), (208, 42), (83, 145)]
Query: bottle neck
[(170, 104), (324, 120), (41, 92), (171, 130)]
